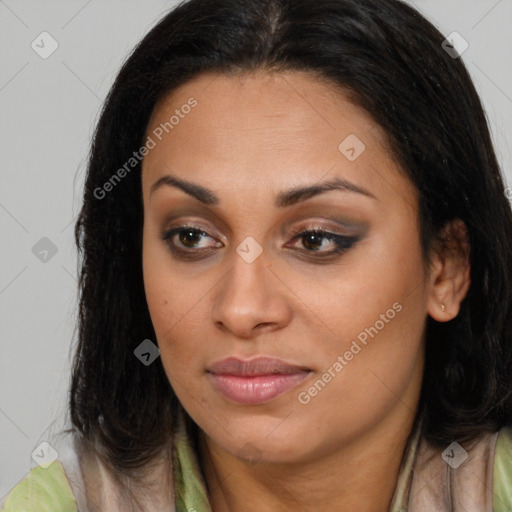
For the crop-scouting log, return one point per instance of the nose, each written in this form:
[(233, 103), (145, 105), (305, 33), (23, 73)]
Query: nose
[(250, 299)]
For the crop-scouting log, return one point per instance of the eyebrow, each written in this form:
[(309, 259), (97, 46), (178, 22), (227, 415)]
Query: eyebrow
[(283, 199)]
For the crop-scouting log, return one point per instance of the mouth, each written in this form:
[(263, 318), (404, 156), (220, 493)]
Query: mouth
[(255, 381)]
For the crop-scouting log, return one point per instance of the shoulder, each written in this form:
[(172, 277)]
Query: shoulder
[(502, 471), (52, 486), (42, 490)]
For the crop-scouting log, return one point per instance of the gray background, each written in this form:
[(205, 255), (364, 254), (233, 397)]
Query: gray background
[(48, 109)]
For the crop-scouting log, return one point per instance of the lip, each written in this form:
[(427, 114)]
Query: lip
[(255, 381)]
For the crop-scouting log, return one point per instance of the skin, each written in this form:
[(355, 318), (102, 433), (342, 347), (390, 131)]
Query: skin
[(250, 137)]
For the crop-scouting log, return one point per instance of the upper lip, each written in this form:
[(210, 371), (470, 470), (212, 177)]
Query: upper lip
[(252, 367)]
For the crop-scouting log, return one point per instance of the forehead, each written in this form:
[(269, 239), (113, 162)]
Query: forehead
[(261, 128), (255, 100)]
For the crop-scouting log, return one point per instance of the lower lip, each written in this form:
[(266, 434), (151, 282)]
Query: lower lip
[(258, 389)]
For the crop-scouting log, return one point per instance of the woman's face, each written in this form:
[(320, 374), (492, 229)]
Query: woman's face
[(344, 312)]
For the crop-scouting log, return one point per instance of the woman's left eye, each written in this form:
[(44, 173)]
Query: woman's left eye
[(313, 241)]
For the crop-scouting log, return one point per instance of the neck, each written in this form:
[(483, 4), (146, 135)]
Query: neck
[(359, 476)]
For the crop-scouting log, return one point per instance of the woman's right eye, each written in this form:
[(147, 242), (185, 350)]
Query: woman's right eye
[(187, 239)]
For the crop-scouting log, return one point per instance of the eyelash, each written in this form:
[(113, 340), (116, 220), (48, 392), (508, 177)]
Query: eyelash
[(343, 242)]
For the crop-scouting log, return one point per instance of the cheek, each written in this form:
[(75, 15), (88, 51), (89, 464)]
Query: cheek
[(386, 269), (379, 314), (373, 307), (176, 307), (156, 283), (166, 296)]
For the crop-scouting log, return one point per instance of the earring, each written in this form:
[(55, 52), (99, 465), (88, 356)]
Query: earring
[(443, 307)]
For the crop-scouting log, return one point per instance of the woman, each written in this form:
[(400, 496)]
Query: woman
[(296, 274)]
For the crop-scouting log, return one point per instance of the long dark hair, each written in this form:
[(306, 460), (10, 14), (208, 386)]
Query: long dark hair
[(391, 61)]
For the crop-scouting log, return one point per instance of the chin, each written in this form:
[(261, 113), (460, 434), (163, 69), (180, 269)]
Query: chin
[(268, 440)]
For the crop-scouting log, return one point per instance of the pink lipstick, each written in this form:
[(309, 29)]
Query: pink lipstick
[(255, 381)]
